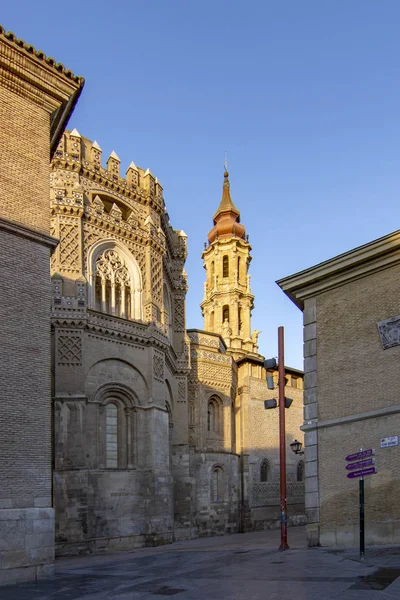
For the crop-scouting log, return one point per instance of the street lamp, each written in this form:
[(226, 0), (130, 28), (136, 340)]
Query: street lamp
[(282, 403), (296, 447)]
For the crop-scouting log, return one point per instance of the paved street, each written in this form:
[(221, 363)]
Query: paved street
[(241, 566)]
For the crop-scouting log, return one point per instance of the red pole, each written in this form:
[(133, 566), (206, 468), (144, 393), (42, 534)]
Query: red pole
[(282, 439)]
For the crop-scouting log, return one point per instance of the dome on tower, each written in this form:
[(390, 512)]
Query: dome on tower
[(227, 218)]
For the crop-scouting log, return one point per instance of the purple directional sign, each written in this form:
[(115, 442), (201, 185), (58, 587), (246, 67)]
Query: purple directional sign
[(360, 464), (360, 455), (362, 472)]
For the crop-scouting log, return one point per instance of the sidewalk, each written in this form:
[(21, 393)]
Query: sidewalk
[(236, 567)]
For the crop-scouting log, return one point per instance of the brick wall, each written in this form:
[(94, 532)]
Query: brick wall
[(25, 408), (24, 161)]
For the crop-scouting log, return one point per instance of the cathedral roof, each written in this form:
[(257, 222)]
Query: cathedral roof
[(227, 218)]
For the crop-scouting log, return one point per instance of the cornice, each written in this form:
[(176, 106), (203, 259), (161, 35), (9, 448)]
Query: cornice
[(377, 255), (33, 78), (30, 74), (26, 232)]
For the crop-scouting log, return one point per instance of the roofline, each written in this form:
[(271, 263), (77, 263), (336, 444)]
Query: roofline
[(217, 335), (363, 260), (41, 56), (60, 118)]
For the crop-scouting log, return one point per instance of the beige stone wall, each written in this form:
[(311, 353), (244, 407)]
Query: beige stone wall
[(354, 373), (340, 496), (262, 428), (357, 383)]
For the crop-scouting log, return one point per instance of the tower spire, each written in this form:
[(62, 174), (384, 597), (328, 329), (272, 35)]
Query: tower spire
[(227, 218)]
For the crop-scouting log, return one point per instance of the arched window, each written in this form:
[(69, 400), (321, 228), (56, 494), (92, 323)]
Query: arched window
[(217, 485), (300, 471), (225, 266), (225, 313), (114, 280), (238, 268), (214, 416), (111, 436), (265, 471)]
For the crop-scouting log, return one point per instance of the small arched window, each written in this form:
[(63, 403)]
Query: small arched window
[(225, 313), (265, 471), (300, 471), (212, 320), (225, 266), (111, 436), (217, 485), (238, 268), (214, 414)]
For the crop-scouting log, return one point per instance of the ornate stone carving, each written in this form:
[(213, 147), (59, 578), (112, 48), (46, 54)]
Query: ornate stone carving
[(158, 365), (181, 389), (69, 348), (389, 330), (179, 314), (69, 252)]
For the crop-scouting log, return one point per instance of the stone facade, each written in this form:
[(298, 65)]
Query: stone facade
[(36, 99), (120, 356), (351, 357), (121, 428), (147, 415)]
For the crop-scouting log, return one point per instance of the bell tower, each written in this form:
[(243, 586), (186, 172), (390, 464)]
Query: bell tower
[(228, 301)]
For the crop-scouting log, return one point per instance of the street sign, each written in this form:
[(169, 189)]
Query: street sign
[(361, 464), (361, 454), (391, 440), (362, 472)]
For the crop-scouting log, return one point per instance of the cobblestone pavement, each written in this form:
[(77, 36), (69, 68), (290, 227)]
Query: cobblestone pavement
[(241, 566)]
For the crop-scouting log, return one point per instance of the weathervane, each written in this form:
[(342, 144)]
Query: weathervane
[(226, 161)]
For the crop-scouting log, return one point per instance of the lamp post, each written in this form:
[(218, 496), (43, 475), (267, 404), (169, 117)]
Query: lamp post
[(282, 439), (282, 403)]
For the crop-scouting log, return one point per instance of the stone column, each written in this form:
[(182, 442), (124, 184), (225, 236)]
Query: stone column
[(103, 295), (129, 461), (122, 312), (312, 501), (113, 307)]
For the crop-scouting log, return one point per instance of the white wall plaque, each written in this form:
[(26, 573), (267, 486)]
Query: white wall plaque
[(392, 440)]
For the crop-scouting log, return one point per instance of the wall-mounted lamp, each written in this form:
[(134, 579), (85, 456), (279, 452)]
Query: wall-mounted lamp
[(296, 447)]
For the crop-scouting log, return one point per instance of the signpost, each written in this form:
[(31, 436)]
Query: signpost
[(360, 465)]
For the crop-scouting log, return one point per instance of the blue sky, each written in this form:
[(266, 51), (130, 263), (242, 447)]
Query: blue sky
[(303, 95)]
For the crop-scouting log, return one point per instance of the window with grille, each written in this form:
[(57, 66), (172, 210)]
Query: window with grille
[(111, 436)]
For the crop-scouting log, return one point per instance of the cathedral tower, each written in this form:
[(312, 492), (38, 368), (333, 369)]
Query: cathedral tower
[(228, 300)]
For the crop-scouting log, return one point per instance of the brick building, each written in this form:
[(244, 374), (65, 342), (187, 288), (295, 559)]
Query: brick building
[(352, 350), (37, 97)]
